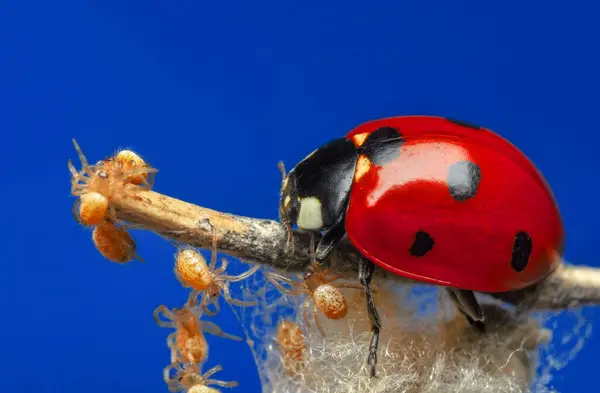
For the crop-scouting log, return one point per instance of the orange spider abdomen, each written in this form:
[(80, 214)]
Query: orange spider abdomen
[(93, 208), (330, 301), (201, 389), (192, 270), (195, 348), (113, 242)]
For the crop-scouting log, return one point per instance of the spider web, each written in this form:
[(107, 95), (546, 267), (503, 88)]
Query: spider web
[(415, 355)]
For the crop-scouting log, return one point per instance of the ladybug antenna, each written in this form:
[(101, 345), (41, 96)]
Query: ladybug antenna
[(281, 167), (289, 243)]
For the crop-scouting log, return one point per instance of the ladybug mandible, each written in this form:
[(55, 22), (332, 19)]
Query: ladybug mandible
[(432, 199)]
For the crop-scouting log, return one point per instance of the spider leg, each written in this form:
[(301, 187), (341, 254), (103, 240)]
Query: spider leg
[(365, 275), (206, 301), (242, 276), (222, 269), (351, 286), (138, 258), (274, 279), (72, 169), (171, 339), (317, 322), (149, 181), (146, 170), (84, 162), (211, 372), (223, 384), (170, 380), (213, 254), (304, 307), (207, 381), (193, 298), (167, 314), (174, 354), (227, 296), (75, 212), (215, 330)]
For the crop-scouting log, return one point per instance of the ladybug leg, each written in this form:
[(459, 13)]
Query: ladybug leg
[(365, 274), (330, 239), (313, 253), (468, 306)]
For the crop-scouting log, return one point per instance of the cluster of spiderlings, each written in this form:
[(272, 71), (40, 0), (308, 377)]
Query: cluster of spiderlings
[(189, 349), (188, 346), (95, 187)]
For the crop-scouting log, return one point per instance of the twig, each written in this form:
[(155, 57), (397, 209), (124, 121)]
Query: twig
[(263, 241)]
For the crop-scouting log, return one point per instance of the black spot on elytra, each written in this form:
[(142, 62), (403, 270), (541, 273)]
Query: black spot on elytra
[(422, 244), (464, 123), (521, 251), (463, 180), (383, 145)]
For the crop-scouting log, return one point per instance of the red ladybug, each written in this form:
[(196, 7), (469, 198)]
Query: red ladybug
[(432, 199)]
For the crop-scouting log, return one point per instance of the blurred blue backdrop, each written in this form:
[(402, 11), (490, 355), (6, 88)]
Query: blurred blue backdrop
[(214, 94)]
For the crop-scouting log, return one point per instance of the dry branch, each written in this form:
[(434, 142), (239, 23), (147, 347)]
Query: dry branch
[(263, 241)]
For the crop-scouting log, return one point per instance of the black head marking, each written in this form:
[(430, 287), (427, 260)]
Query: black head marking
[(328, 174), (422, 244), (464, 123), (383, 145), (463, 180), (521, 251)]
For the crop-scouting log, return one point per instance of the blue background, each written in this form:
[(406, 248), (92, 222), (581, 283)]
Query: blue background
[(213, 94)]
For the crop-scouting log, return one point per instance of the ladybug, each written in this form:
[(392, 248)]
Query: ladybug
[(432, 199)]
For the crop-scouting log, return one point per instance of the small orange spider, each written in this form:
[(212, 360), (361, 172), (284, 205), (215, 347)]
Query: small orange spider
[(322, 294), (114, 242), (98, 184), (135, 168), (192, 272), (187, 343), (292, 346), (188, 378)]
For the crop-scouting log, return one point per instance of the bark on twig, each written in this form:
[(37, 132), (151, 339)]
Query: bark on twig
[(263, 241)]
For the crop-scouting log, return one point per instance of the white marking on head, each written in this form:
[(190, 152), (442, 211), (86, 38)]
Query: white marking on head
[(287, 201), (310, 215)]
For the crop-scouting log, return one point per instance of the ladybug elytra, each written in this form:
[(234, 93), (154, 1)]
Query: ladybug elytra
[(431, 199)]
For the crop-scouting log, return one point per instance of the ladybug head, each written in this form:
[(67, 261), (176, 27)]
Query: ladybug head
[(302, 206), (314, 194)]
